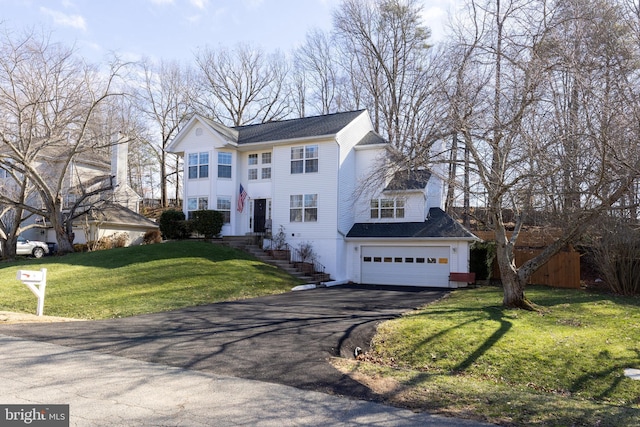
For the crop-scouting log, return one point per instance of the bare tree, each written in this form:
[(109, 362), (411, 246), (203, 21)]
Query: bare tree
[(242, 86), (513, 141), (166, 100), (48, 99), (13, 218), (314, 60), (384, 45)]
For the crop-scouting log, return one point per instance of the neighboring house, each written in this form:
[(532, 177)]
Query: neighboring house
[(307, 176), (87, 172), (106, 219)]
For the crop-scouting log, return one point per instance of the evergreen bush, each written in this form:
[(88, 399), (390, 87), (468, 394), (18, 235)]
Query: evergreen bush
[(208, 223), (173, 225)]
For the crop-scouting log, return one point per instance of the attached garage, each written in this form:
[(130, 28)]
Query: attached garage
[(405, 265), (409, 253)]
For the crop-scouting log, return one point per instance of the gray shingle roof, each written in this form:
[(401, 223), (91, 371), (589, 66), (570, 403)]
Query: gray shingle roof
[(329, 124), (372, 138), (409, 180), (116, 214), (438, 224)]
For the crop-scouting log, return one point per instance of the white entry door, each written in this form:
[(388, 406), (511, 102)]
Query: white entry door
[(405, 265)]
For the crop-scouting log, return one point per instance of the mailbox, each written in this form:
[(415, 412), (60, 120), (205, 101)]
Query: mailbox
[(30, 276), (36, 281)]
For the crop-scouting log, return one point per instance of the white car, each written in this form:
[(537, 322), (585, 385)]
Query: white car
[(31, 247)]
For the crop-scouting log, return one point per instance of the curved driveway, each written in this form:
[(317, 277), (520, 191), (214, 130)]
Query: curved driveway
[(285, 339)]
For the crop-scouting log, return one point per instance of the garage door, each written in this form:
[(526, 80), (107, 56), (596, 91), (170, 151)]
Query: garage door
[(405, 265)]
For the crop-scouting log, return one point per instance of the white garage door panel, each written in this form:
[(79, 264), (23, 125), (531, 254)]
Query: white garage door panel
[(405, 265)]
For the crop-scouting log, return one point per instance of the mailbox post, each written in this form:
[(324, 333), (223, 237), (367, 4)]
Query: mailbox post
[(36, 281)]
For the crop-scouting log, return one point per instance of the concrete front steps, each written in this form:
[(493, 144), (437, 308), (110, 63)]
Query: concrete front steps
[(249, 244)]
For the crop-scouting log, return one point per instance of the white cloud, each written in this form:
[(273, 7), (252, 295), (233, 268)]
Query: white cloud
[(194, 18), (200, 4), (74, 21), (253, 4)]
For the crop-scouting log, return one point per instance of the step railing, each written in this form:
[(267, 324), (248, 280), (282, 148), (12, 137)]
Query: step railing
[(285, 251)]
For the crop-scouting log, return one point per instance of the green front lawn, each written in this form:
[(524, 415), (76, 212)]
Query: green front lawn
[(467, 356), (141, 279)]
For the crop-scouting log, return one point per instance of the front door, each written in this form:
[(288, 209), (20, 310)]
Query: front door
[(259, 215)]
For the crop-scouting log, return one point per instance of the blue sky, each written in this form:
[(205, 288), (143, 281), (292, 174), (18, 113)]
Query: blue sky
[(175, 29)]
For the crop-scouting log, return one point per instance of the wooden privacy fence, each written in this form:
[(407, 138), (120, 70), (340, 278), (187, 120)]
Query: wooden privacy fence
[(561, 271)]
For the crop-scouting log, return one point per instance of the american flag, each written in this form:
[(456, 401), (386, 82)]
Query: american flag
[(242, 196)]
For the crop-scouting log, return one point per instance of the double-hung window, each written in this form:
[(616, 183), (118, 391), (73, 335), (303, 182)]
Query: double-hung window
[(196, 204), (266, 166), (198, 165), (253, 167), (304, 159), (387, 208), (224, 165), (303, 208), (264, 171), (224, 207)]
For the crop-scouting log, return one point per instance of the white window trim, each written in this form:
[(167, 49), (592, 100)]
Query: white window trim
[(198, 201), (198, 165), (303, 208), (230, 165), (304, 159), (223, 211), (398, 205)]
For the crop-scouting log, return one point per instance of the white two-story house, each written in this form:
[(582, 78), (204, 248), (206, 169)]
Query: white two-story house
[(307, 177)]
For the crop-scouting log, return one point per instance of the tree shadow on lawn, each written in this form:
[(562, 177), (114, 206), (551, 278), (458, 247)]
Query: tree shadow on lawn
[(546, 296), (495, 313)]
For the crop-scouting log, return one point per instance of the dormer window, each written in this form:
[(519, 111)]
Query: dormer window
[(387, 208)]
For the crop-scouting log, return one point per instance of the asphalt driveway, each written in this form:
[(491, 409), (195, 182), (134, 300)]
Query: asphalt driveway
[(285, 339)]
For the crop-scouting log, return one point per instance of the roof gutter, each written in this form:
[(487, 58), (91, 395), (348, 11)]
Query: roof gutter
[(415, 239), (250, 146)]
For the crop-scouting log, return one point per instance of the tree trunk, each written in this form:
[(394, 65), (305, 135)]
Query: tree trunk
[(453, 161), (63, 237), (163, 180), (466, 216), (9, 247), (513, 283), (64, 240)]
